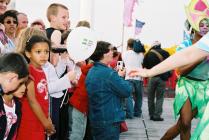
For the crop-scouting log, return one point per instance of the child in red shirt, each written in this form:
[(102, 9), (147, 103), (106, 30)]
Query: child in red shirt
[(35, 120)]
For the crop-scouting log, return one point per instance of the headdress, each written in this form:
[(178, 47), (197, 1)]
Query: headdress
[(196, 11)]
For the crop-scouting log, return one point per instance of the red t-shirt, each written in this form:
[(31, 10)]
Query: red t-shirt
[(30, 127)]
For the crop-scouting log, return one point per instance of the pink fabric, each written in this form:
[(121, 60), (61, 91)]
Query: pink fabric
[(194, 16), (128, 10), (200, 6)]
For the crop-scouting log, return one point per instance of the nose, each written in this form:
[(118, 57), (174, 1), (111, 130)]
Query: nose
[(44, 55), (24, 87)]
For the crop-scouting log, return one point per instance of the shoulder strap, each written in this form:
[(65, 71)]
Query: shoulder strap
[(158, 54)]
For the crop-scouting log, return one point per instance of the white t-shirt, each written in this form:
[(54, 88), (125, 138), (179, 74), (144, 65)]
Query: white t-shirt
[(11, 118), (203, 43), (132, 60)]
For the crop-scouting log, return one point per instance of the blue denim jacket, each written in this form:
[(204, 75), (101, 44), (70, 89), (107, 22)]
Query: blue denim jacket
[(105, 89)]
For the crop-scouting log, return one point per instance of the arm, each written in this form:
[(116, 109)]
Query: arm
[(121, 87), (35, 106), (183, 70), (56, 84), (56, 38), (187, 56), (60, 67), (62, 83)]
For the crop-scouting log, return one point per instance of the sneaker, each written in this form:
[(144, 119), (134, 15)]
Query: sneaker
[(138, 116), (157, 119), (151, 118), (129, 117)]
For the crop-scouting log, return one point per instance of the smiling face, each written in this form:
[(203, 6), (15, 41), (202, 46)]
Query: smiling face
[(204, 27), (3, 6), (39, 54), (61, 19)]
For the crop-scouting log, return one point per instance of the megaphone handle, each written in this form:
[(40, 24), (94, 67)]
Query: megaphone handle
[(74, 64)]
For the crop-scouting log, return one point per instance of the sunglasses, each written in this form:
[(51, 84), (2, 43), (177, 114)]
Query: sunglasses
[(11, 21)]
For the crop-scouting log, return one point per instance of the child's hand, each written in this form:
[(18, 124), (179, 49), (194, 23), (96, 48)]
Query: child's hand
[(74, 82), (71, 75), (49, 127)]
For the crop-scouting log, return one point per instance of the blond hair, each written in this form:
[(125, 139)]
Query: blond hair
[(83, 23), (53, 10), (25, 35), (8, 1)]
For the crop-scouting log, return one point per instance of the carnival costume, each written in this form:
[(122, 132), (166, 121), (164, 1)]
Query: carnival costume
[(195, 84), (202, 130)]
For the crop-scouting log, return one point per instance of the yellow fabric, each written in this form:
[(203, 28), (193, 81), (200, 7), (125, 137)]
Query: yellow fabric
[(171, 50), (194, 17)]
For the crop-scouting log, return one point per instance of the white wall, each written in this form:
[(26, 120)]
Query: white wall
[(164, 18), (37, 9)]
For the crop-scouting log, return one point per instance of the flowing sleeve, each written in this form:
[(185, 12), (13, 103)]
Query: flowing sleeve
[(203, 43)]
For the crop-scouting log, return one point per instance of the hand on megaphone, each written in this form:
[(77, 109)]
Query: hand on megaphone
[(71, 75)]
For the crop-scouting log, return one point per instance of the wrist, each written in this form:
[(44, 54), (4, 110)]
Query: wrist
[(148, 73)]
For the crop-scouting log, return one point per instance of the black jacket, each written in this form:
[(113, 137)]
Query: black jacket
[(151, 59), (3, 120)]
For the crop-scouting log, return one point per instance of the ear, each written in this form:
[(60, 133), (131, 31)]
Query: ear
[(11, 76), (27, 54), (53, 17)]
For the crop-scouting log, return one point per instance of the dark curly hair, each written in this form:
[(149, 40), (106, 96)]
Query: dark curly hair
[(9, 13), (36, 39)]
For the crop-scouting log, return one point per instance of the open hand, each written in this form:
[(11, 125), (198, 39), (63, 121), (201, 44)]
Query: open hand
[(139, 72)]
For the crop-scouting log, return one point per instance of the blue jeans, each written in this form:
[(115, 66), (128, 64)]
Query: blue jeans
[(138, 94), (106, 132), (129, 107), (77, 124)]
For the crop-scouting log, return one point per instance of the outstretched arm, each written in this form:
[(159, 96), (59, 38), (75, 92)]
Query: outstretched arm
[(187, 56)]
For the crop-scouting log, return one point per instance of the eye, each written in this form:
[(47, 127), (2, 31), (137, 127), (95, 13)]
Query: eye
[(38, 52), (201, 25), (46, 52)]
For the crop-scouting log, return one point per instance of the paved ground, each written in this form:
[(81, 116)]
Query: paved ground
[(145, 129)]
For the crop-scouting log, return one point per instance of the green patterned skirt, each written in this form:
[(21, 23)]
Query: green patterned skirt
[(202, 130), (196, 91)]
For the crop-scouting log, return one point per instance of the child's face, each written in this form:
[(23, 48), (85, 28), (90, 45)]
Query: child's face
[(62, 18), (39, 54), (12, 82), (3, 6), (20, 91)]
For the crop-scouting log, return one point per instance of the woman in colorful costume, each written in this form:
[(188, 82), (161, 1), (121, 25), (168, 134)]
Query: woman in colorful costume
[(193, 82)]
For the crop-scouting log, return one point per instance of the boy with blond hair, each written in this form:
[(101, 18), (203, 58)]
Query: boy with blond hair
[(58, 16)]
